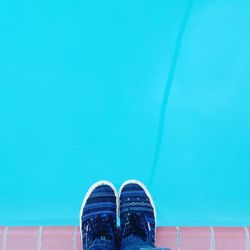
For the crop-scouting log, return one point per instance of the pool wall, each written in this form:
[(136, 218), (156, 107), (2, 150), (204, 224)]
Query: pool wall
[(151, 90)]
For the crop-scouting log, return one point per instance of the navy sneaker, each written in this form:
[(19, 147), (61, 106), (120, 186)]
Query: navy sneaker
[(98, 217), (137, 214)]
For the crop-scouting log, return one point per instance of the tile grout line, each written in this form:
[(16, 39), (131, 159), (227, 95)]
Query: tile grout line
[(74, 238), (212, 239), (5, 232), (247, 238), (39, 240), (178, 238)]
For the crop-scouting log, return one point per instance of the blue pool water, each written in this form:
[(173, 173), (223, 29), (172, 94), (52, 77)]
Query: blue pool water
[(153, 90)]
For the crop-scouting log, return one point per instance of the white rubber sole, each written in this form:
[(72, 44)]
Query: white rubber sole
[(145, 190), (95, 185)]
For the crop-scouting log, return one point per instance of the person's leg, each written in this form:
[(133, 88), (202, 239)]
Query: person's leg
[(98, 217), (137, 217)]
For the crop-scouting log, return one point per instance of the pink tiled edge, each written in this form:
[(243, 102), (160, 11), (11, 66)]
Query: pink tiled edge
[(27, 241), (58, 238), (195, 238), (166, 237), (1, 237), (175, 238), (233, 238), (78, 240)]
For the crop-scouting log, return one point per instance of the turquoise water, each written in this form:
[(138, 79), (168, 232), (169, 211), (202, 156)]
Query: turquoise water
[(153, 90)]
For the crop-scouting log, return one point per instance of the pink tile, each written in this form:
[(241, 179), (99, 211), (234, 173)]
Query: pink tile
[(1, 237), (78, 239), (166, 237), (227, 238), (58, 238), (195, 238), (22, 238), (247, 236), (68, 238)]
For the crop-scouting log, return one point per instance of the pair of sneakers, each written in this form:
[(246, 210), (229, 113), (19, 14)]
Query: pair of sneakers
[(98, 216)]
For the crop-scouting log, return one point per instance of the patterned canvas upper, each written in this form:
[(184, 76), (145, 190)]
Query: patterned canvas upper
[(98, 217), (137, 213)]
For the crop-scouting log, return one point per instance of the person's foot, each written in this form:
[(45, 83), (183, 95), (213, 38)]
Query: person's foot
[(137, 214), (98, 216)]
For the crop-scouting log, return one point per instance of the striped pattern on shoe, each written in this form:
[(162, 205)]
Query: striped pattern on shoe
[(98, 215), (137, 212)]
